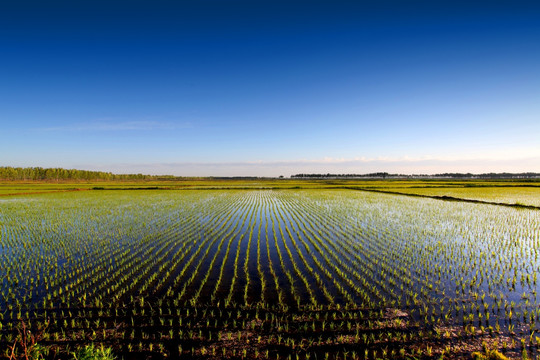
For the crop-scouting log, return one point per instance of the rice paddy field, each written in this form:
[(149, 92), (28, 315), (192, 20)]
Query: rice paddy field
[(318, 273), (520, 195)]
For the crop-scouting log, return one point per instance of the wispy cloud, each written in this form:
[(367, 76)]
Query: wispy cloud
[(104, 126)]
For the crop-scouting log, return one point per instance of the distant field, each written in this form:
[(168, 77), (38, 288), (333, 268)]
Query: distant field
[(507, 195), (415, 186), (13, 188), (269, 273)]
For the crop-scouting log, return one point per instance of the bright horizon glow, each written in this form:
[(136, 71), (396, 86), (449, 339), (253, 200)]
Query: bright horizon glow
[(269, 88), (273, 169)]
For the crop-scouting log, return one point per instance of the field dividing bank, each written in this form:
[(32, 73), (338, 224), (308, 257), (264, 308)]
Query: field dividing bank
[(268, 274)]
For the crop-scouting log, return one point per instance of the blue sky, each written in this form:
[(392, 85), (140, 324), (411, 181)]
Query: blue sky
[(217, 87)]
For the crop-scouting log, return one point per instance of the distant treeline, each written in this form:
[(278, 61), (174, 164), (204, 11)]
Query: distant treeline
[(59, 174), (384, 175), (504, 175), (8, 173), (371, 175)]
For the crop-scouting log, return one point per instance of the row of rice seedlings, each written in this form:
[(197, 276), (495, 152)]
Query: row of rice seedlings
[(340, 258), (210, 238), (226, 230), (236, 265), (305, 258), (228, 239), (316, 254), (291, 257), (260, 273), (272, 268), (329, 268), (252, 222)]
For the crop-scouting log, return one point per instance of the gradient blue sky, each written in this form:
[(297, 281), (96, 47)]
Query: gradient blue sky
[(217, 87)]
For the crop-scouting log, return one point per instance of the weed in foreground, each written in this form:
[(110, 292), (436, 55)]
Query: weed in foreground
[(91, 352)]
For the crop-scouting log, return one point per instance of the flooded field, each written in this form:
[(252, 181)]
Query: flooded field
[(308, 273)]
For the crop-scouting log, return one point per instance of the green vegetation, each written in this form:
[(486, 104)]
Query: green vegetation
[(488, 354), (518, 195), (59, 174), (266, 273), (91, 352)]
